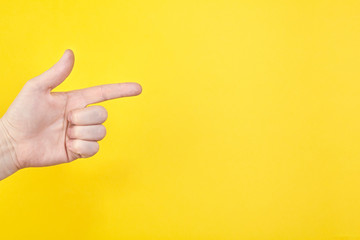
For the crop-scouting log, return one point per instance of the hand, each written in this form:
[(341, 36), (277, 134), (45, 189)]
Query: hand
[(45, 128)]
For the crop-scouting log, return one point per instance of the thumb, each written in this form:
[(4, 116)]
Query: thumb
[(57, 73)]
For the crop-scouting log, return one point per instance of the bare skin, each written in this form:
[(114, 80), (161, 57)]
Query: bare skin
[(44, 128)]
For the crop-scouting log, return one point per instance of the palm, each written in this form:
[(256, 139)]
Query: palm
[(38, 120)]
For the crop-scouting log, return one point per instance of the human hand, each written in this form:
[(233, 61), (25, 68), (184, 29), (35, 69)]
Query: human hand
[(43, 128)]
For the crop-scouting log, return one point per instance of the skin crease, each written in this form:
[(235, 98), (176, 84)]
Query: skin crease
[(47, 128)]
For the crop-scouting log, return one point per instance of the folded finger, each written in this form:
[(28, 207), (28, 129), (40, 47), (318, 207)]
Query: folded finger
[(83, 148), (92, 115), (91, 132)]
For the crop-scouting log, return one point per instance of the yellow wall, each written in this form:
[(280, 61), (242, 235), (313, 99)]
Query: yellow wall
[(248, 126)]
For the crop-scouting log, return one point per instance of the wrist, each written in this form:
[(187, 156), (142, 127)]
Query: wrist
[(8, 159)]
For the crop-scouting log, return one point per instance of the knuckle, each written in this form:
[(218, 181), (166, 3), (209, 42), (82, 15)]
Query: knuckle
[(102, 131), (102, 112), (90, 149), (102, 94), (95, 148)]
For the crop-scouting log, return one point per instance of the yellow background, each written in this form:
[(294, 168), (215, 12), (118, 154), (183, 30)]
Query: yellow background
[(247, 128)]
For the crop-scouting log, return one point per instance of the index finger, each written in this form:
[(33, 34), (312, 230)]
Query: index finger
[(106, 92)]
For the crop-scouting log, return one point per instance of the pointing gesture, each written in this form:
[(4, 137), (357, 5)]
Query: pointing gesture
[(43, 128)]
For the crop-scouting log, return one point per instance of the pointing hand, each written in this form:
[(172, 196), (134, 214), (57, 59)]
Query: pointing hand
[(43, 128)]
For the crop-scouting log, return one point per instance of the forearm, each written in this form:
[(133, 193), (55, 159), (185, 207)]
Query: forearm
[(7, 154)]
